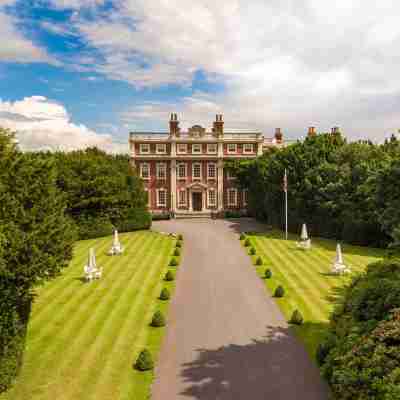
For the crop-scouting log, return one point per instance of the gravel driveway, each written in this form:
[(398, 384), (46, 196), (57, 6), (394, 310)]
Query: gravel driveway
[(226, 338)]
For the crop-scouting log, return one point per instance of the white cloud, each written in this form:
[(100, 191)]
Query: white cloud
[(14, 46), (42, 124), (75, 4), (284, 63)]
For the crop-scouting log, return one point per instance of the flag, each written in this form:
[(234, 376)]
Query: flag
[(285, 182)]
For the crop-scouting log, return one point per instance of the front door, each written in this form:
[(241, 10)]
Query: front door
[(197, 201)]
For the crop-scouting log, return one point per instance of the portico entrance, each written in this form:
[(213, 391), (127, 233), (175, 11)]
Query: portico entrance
[(197, 201)]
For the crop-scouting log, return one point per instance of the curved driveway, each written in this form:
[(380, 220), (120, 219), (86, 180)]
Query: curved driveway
[(226, 338)]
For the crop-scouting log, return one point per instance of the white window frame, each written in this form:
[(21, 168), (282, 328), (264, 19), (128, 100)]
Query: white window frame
[(193, 167), (245, 151), (232, 190), (141, 170), (143, 146), (231, 151), (212, 144), (161, 148), (177, 170), (197, 146), (159, 167), (158, 197), (211, 203), (245, 197), (179, 145), (180, 202), (208, 170)]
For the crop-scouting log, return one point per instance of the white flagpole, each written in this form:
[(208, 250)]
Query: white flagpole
[(286, 208)]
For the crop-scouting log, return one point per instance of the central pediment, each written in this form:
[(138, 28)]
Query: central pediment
[(197, 131)]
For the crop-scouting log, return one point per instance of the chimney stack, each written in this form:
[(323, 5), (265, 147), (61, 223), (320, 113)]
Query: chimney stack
[(311, 131), (335, 131), (218, 125), (278, 135), (174, 129)]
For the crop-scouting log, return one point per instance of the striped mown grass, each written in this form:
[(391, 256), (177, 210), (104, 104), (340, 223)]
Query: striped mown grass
[(305, 276), (83, 338)]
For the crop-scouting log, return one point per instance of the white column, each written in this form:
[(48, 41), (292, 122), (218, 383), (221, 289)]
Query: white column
[(203, 200), (220, 185), (173, 185), (190, 200)]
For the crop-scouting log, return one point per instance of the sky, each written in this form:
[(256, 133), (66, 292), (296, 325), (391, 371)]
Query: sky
[(77, 73)]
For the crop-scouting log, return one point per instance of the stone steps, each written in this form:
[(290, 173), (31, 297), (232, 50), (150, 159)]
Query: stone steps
[(193, 215)]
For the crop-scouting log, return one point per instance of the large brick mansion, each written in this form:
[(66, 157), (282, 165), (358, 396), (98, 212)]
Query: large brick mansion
[(183, 172)]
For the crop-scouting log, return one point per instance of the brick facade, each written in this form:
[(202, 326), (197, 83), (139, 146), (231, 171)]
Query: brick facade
[(162, 158)]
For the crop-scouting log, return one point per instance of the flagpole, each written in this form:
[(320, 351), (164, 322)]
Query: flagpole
[(286, 208)]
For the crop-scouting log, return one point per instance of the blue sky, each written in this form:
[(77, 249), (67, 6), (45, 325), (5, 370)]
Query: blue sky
[(86, 72)]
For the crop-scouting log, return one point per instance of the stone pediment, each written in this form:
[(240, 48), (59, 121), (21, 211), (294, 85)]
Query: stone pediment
[(197, 185), (196, 131)]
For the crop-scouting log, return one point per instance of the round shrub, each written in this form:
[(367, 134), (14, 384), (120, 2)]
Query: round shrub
[(267, 273), (177, 252), (259, 261), (242, 236), (178, 244), (252, 251), (169, 276), (180, 237), (297, 318), (173, 262), (158, 319), (144, 361), (247, 242), (165, 295), (279, 291)]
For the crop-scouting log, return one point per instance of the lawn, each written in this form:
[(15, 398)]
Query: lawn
[(84, 337), (305, 276)]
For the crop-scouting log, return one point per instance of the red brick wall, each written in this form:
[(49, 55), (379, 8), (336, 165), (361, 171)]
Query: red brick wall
[(153, 184)]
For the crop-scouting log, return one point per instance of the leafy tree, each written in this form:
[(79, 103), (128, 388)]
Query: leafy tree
[(102, 192), (36, 239), (360, 356), (342, 190)]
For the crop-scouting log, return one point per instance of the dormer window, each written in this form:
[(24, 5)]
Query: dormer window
[(212, 148), (248, 148), (232, 148), (181, 148), (196, 148), (161, 148), (144, 148)]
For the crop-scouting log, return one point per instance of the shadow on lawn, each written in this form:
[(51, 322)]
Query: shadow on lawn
[(274, 367)]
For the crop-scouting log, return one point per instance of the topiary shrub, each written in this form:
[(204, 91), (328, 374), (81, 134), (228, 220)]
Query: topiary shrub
[(242, 236), (144, 361), (259, 261), (252, 251), (177, 252), (247, 242), (158, 319), (296, 318), (165, 295), (169, 276), (268, 273), (279, 291), (180, 237), (173, 262), (178, 244)]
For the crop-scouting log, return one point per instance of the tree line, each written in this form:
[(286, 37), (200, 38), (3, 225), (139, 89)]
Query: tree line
[(47, 201), (345, 191)]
